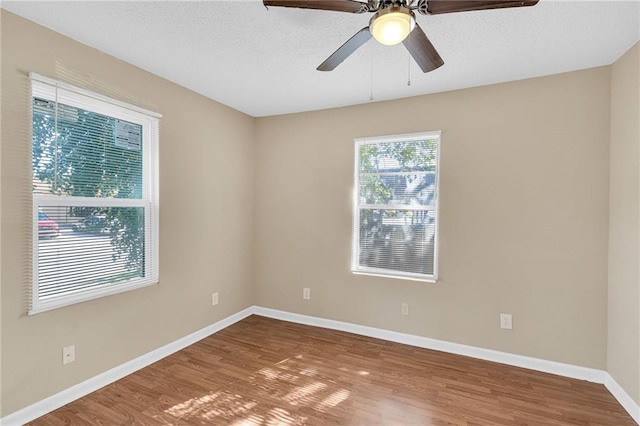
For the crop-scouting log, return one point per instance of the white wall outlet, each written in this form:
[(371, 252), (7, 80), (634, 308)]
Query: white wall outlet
[(214, 299), (405, 309), (506, 321), (306, 293), (68, 354)]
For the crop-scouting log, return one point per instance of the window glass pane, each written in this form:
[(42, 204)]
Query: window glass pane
[(398, 188), (88, 247), (81, 153), (399, 240), (408, 156)]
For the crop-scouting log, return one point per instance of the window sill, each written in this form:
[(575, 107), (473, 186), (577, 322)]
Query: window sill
[(409, 277), (48, 305)]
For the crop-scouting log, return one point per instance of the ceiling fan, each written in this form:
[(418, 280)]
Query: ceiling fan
[(394, 22)]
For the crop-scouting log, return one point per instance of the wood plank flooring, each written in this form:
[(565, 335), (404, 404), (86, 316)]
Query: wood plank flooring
[(262, 371)]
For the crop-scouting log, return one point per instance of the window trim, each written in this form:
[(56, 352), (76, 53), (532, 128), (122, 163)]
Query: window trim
[(34, 77), (46, 88), (355, 237)]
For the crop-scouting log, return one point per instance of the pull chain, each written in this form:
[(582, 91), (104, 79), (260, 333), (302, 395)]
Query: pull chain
[(409, 63)]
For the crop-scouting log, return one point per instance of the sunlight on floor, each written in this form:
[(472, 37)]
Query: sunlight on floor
[(271, 396), (212, 405), (300, 394), (332, 400)]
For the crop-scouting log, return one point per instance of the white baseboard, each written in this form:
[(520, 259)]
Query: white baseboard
[(632, 407), (545, 366), (68, 395), (566, 370)]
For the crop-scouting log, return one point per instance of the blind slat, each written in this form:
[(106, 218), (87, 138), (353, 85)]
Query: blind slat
[(84, 254)]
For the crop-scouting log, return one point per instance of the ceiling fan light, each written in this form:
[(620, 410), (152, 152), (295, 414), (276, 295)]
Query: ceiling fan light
[(392, 27)]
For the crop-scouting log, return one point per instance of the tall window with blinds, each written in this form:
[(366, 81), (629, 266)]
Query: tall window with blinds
[(95, 195), (395, 224)]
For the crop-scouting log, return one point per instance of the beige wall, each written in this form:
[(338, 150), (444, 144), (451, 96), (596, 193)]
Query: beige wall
[(206, 179), (523, 210), (623, 349), (0, 219)]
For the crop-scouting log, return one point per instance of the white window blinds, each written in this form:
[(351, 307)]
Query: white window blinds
[(396, 206), (95, 195)]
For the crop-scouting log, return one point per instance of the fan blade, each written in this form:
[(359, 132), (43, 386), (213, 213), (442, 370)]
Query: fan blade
[(352, 6), (436, 7), (360, 38), (422, 50)]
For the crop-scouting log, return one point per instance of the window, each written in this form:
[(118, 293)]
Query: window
[(95, 195), (395, 222)]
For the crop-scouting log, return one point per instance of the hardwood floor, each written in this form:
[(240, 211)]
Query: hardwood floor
[(262, 371)]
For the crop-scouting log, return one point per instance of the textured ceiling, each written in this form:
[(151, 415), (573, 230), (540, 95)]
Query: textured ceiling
[(263, 62)]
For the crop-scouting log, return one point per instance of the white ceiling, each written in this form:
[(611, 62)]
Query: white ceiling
[(264, 62)]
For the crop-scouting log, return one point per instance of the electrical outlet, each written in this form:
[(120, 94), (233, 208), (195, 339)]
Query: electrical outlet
[(306, 293), (214, 299), (506, 321), (68, 354), (405, 309)]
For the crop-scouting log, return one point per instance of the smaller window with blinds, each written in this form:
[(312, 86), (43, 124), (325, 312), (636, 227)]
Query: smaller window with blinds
[(395, 218), (95, 195)]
